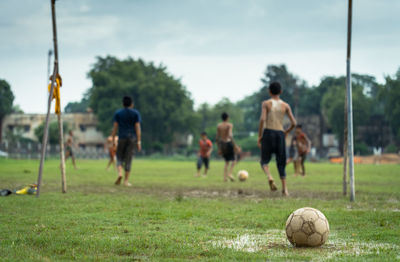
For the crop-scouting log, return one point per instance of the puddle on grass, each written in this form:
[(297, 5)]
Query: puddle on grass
[(275, 243)]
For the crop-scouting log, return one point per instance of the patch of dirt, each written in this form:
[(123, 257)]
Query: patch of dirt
[(181, 193)]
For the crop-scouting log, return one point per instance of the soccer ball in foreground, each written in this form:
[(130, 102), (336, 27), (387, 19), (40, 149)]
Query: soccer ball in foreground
[(243, 175), (307, 227)]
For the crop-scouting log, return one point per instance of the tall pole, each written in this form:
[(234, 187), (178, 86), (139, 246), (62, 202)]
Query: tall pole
[(350, 105), (49, 54), (59, 119), (46, 130), (60, 126)]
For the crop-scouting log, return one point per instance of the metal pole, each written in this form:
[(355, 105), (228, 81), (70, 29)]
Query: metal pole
[(350, 105)]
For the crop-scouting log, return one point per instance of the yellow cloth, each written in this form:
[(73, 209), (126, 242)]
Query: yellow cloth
[(56, 93)]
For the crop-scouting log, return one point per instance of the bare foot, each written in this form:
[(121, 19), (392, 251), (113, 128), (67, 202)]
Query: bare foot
[(272, 185), (126, 183), (231, 178), (285, 193), (118, 181)]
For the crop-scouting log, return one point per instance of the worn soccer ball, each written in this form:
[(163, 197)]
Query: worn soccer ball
[(243, 175), (307, 227)]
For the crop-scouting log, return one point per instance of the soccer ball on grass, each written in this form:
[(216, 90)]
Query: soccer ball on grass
[(243, 175), (307, 227)]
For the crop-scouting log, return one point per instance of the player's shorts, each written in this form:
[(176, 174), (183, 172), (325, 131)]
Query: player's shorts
[(273, 142), (228, 152), (69, 149), (203, 160), (125, 152)]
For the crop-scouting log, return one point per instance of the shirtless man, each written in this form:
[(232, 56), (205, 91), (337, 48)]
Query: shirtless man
[(226, 146), (68, 148), (271, 135), (111, 147), (303, 148)]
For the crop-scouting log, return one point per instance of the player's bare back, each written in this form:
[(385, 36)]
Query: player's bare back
[(224, 131)]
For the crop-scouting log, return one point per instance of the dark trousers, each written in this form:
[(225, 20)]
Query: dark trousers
[(273, 142)]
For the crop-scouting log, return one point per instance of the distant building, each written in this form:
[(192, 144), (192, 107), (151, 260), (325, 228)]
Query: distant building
[(84, 126)]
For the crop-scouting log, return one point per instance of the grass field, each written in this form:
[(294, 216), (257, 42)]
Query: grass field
[(169, 214)]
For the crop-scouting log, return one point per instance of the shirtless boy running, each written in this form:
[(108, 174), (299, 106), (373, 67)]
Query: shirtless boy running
[(226, 146), (271, 135)]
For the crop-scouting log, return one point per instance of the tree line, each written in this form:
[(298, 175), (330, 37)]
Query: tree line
[(168, 108)]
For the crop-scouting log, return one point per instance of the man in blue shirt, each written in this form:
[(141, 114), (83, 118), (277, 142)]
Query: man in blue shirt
[(127, 122)]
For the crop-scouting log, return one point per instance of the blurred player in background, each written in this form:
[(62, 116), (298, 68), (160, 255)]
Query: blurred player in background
[(303, 145), (127, 122), (111, 147), (226, 147), (69, 145), (204, 154)]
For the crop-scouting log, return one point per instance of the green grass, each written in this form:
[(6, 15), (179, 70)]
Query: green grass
[(169, 214)]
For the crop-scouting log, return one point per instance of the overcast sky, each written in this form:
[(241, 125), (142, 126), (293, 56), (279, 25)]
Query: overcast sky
[(219, 48)]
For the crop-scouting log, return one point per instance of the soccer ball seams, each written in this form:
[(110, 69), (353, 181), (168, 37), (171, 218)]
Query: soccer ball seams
[(307, 227)]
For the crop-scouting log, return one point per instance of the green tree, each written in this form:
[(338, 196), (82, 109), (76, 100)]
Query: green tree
[(6, 102), (292, 92), (164, 103), (53, 132), (210, 116), (77, 107), (333, 109), (390, 96)]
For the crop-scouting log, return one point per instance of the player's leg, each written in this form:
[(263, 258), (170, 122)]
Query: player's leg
[(111, 160), (231, 171), (67, 154), (206, 162), (73, 160), (226, 171), (281, 160), (303, 168), (199, 164), (120, 159), (266, 157), (130, 148)]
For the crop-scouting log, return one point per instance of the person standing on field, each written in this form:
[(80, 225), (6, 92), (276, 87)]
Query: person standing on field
[(271, 135), (69, 145), (204, 154), (127, 123), (303, 148), (111, 147), (226, 147)]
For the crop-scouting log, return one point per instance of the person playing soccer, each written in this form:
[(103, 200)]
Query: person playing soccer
[(293, 154), (111, 148), (127, 122), (303, 148), (226, 147), (204, 154), (69, 152), (271, 135)]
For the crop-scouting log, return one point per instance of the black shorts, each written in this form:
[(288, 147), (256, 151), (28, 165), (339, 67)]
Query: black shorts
[(228, 151), (273, 142), (203, 160), (69, 149), (125, 151)]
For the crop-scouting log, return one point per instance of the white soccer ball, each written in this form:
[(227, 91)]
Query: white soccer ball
[(243, 175), (307, 227)]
